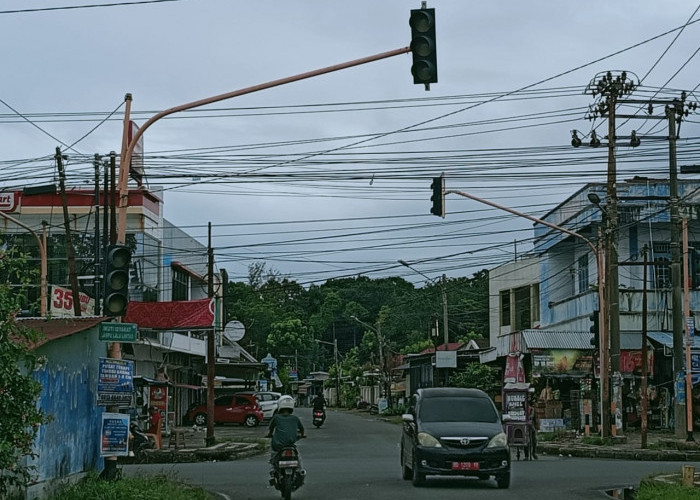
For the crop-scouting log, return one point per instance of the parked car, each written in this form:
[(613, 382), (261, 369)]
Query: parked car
[(454, 432), (268, 402), (229, 409)]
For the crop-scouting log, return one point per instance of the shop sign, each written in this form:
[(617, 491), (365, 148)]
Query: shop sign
[(515, 405), (631, 362), (445, 359), (114, 433), (115, 383), (62, 303), (118, 332), (8, 202), (560, 361)]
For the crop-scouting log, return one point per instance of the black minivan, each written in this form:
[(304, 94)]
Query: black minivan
[(452, 431)]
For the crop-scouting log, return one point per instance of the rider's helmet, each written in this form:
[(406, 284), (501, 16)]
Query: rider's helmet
[(286, 403)]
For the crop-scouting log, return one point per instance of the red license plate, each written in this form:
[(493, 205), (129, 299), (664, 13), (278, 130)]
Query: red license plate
[(465, 465)]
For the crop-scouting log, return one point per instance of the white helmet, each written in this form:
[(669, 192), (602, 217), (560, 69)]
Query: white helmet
[(286, 402)]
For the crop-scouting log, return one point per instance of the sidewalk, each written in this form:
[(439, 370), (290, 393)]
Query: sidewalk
[(231, 443), (661, 446)]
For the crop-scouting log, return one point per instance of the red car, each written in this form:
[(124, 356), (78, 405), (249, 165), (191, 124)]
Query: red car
[(229, 409)]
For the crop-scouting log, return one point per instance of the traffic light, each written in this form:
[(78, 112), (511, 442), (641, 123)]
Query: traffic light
[(424, 68), (438, 196), (116, 296), (595, 329)]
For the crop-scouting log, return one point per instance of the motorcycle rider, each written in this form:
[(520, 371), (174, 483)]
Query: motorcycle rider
[(319, 403), (285, 429)]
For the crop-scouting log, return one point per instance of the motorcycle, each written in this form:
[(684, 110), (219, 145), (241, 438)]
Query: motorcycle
[(141, 441), (287, 475), (319, 416)]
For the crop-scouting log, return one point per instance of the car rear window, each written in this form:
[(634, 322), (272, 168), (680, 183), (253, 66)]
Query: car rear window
[(457, 410)]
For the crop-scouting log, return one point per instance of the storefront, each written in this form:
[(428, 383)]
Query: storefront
[(563, 368)]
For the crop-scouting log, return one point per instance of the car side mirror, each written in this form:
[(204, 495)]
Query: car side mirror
[(407, 417)]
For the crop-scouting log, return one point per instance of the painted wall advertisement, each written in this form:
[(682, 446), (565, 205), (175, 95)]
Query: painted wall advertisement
[(115, 384), (114, 434)]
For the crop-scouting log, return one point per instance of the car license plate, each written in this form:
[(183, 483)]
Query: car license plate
[(465, 465), (288, 463)]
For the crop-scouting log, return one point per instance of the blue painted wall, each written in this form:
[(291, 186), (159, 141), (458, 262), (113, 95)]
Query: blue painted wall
[(69, 444)]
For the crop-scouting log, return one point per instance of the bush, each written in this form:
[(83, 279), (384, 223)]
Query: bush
[(652, 490), (159, 487)]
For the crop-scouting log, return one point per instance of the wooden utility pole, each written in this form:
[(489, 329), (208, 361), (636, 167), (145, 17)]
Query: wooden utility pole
[(70, 252), (211, 348), (645, 370)]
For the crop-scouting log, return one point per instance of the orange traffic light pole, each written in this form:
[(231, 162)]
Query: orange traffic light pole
[(125, 160)]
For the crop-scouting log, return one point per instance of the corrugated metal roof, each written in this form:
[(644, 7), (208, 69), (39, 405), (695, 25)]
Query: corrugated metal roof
[(552, 339), (666, 338)]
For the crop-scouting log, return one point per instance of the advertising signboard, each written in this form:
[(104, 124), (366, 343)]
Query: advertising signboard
[(114, 435), (115, 384)]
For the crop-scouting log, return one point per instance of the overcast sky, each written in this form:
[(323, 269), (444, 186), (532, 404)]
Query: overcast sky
[(330, 176)]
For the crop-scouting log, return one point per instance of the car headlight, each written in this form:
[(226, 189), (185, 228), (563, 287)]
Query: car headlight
[(425, 439), (498, 441)]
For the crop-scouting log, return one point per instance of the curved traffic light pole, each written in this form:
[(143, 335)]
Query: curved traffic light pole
[(600, 262), (125, 160)]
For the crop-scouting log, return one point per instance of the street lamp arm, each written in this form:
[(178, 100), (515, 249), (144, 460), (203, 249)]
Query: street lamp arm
[(43, 257), (526, 216)]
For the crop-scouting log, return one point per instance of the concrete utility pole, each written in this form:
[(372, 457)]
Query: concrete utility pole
[(611, 87), (674, 112)]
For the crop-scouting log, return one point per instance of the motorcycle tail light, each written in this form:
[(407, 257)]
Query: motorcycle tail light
[(287, 453)]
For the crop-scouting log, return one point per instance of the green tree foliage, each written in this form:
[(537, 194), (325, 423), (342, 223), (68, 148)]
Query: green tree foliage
[(478, 376), (270, 306), (19, 391)]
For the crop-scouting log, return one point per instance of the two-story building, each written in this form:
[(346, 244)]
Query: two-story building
[(553, 328)]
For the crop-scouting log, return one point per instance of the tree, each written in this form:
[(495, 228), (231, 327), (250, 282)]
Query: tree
[(19, 391), (477, 376)]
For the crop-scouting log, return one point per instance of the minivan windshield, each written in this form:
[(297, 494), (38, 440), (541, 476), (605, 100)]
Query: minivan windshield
[(457, 409)]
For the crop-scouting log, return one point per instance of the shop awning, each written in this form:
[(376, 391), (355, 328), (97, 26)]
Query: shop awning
[(171, 315), (552, 339), (666, 339)]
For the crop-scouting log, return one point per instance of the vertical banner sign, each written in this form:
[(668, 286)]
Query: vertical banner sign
[(158, 397), (114, 434), (115, 385)]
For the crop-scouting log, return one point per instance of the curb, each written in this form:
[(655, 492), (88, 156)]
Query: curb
[(611, 452)]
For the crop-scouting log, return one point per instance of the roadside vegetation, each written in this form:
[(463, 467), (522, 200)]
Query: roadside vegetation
[(133, 488), (653, 490)]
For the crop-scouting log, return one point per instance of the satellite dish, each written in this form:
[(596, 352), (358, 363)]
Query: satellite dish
[(234, 331)]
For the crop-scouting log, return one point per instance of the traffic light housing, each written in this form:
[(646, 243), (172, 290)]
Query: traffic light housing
[(423, 47), (438, 197), (116, 278), (595, 329)]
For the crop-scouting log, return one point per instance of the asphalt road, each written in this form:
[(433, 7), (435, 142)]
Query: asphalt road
[(356, 457)]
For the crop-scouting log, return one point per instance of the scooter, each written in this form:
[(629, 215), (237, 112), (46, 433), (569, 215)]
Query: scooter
[(141, 442), (319, 416), (287, 475)]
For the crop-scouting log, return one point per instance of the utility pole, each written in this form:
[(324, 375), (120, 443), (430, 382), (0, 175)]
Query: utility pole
[(70, 252), (679, 413), (611, 87), (674, 112), (98, 262), (211, 348)]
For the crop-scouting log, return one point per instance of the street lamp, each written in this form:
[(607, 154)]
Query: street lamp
[(42, 254), (337, 366), (382, 363), (443, 292)]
